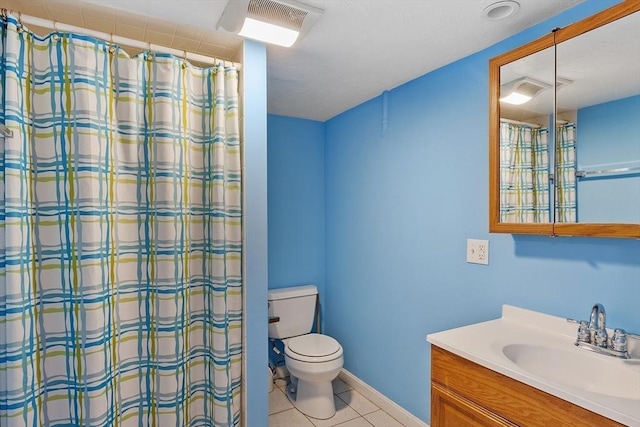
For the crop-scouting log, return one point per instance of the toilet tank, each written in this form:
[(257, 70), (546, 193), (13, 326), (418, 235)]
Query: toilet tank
[(296, 308)]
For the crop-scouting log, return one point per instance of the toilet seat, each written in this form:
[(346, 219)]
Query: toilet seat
[(313, 348)]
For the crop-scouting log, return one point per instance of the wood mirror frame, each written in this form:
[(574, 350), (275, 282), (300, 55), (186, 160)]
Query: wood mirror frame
[(550, 229)]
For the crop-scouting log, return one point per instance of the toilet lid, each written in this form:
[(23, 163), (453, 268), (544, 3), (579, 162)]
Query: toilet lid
[(313, 345)]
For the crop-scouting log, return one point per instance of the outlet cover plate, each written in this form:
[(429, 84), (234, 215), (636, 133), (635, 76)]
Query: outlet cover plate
[(478, 251)]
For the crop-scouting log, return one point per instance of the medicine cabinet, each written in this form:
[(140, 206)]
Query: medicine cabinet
[(564, 130)]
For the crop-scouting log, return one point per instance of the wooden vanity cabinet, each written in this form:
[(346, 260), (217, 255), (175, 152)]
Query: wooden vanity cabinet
[(465, 394)]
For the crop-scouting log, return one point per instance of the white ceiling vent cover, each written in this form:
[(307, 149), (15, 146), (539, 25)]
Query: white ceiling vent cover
[(277, 13), (525, 85), (283, 13)]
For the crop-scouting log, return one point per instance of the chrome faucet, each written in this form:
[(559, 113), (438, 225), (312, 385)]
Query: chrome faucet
[(593, 335), (598, 317), (598, 326)]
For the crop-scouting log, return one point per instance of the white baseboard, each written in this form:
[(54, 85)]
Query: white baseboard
[(382, 401)]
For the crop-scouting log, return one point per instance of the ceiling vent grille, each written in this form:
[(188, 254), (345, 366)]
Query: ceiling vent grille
[(288, 14), (277, 13), (525, 85)]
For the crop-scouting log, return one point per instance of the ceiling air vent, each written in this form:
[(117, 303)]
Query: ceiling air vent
[(276, 14)]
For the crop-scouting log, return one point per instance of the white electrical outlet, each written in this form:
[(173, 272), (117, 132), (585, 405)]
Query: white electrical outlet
[(478, 251)]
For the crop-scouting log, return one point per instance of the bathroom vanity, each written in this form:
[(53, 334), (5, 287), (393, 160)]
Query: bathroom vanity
[(524, 369)]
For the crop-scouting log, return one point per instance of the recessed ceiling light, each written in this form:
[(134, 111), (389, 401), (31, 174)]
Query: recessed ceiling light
[(501, 9)]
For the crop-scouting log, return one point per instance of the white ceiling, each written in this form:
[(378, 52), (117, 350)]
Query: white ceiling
[(358, 48)]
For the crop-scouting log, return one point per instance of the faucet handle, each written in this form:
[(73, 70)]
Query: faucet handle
[(619, 340), (583, 332), (601, 338)]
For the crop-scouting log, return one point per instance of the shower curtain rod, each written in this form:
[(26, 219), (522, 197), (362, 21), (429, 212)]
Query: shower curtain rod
[(515, 122), (58, 26)]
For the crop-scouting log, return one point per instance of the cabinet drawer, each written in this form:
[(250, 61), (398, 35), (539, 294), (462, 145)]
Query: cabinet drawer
[(448, 409)]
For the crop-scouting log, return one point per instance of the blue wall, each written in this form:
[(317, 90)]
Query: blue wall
[(255, 225), (608, 136), (296, 202), (398, 209)]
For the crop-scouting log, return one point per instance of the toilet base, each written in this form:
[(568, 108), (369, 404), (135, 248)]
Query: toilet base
[(314, 399)]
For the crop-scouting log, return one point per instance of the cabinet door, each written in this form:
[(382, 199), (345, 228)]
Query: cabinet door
[(451, 410)]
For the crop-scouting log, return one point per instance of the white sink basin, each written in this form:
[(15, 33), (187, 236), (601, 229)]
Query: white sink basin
[(578, 368)]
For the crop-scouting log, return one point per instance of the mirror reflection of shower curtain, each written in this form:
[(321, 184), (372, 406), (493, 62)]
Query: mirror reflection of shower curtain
[(565, 186), (524, 174)]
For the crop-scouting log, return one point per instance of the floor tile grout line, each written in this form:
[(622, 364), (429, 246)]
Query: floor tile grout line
[(363, 418), (282, 410), (384, 412), (357, 412)]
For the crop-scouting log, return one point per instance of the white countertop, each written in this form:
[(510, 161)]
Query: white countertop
[(482, 343)]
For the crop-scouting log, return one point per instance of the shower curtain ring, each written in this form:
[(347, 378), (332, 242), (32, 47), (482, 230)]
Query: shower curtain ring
[(112, 47), (20, 27), (56, 37), (3, 13)]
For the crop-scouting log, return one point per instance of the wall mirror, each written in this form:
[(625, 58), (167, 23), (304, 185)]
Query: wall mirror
[(564, 130)]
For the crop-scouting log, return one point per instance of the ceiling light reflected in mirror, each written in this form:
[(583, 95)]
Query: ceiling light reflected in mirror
[(522, 90)]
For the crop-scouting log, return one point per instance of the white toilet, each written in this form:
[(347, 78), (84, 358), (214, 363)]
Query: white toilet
[(313, 360)]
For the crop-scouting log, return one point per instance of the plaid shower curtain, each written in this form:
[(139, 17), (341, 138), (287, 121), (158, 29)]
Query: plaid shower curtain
[(524, 174), (120, 241), (566, 204)]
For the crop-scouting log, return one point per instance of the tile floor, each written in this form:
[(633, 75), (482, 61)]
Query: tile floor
[(352, 410)]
